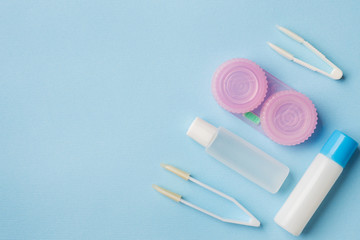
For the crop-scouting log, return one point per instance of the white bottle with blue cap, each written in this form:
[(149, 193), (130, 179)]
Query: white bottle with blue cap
[(316, 183)]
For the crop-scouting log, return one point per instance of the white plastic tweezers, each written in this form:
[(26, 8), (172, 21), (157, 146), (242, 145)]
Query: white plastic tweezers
[(178, 198), (336, 72)]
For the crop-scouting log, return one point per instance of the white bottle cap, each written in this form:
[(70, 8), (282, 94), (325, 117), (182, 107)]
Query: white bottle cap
[(202, 131)]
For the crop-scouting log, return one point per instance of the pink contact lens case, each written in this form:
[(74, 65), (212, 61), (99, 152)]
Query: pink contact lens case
[(286, 116), (239, 85)]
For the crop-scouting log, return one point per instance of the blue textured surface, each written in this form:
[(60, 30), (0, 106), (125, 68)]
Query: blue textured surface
[(94, 95), (339, 147)]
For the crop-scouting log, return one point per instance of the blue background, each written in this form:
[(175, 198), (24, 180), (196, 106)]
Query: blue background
[(94, 95)]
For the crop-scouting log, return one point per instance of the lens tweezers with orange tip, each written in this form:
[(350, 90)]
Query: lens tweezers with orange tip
[(178, 198)]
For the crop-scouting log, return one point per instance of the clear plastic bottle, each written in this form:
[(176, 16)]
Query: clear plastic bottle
[(240, 155), (316, 183)]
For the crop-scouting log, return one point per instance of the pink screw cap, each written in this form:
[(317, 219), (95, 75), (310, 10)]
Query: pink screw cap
[(288, 117), (239, 85)]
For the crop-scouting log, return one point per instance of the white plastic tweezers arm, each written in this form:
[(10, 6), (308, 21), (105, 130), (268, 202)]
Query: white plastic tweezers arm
[(336, 72), (253, 220), (252, 223), (178, 198)]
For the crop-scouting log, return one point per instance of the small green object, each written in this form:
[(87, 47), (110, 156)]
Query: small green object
[(252, 117)]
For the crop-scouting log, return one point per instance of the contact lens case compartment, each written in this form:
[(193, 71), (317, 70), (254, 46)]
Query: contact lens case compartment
[(264, 102), (274, 85)]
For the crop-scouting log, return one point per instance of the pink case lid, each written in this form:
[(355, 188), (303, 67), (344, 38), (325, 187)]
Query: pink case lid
[(288, 117), (239, 85)]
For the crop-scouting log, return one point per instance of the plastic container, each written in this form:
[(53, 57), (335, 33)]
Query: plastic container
[(288, 117), (238, 154), (264, 102), (316, 183)]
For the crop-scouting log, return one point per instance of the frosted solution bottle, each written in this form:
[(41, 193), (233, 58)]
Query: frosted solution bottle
[(238, 154), (316, 183)]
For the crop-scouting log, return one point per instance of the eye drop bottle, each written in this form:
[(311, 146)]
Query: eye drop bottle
[(238, 154), (316, 183)]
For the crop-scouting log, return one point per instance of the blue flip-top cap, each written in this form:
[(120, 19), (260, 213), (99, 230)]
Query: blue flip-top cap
[(339, 147)]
